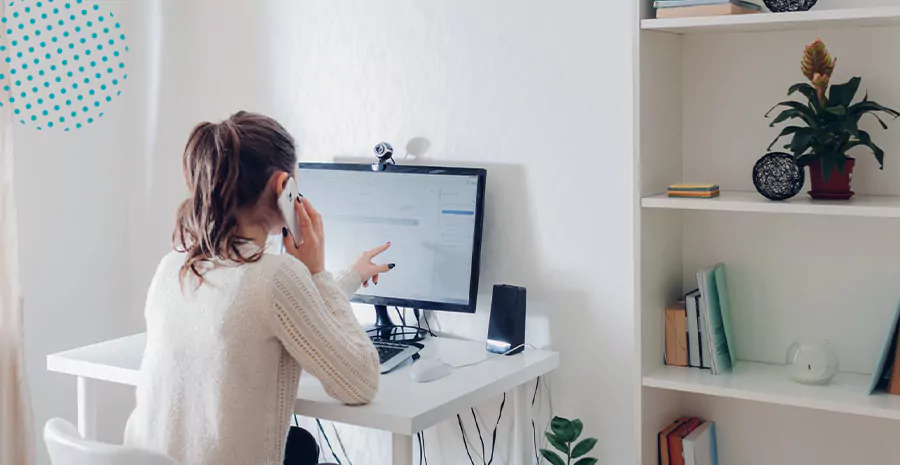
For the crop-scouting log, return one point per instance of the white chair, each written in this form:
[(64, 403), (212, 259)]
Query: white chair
[(67, 447)]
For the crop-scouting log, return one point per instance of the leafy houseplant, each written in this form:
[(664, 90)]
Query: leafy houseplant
[(830, 124), (562, 436)]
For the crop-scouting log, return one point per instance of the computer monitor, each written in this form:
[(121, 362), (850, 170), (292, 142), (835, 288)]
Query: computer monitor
[(432, 216)]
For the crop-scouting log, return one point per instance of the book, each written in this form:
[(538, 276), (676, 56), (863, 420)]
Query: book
[(676, 335), (693, 329), (664, 439), (700, 446), (722, 9), (676, 447), (893, 386), (689, 3), (884, 366), (717, 308), (693, 190), (705, 357)]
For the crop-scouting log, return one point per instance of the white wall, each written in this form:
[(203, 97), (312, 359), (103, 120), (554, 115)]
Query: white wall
[(539, 93)]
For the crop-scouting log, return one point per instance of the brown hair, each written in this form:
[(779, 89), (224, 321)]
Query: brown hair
[(226, 166)]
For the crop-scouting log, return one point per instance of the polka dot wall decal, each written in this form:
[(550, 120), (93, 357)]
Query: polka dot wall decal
[(44, 45)]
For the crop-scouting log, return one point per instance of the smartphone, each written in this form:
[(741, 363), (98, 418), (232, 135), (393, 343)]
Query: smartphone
[(289, 195)]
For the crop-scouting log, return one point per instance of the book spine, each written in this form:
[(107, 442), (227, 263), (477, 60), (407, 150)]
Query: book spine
[(893, 386), (676, 335), (693, 331), (705, 357), (676, 448)]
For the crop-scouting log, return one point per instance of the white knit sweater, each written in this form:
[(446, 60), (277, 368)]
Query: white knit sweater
[(222, 363)]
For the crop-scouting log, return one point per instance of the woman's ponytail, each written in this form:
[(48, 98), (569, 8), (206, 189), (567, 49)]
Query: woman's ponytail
[(226, 167)]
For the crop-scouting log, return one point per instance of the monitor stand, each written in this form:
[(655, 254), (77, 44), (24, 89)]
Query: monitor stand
[(386, 330)]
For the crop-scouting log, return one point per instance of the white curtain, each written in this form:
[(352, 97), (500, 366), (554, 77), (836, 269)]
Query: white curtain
[(16, 430)]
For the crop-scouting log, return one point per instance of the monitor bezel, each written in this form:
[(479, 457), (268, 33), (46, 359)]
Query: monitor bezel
[(481, 175)]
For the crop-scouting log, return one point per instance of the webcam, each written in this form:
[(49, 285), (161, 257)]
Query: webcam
[(385, 154)]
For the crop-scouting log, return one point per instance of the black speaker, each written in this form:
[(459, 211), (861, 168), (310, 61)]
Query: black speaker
[(506, 329)]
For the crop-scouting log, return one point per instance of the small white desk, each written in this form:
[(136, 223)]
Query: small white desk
[(402, 406)]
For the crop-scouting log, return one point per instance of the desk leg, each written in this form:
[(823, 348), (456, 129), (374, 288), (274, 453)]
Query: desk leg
[(522, 441), (401, 449), (87, 408)]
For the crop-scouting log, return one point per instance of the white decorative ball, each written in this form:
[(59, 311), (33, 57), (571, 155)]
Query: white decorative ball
[(812, 362)]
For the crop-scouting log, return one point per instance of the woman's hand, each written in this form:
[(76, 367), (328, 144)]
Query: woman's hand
[(368, 270), (312, 251)]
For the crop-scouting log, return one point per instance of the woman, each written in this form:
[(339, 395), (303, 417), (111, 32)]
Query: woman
[(229, 328)]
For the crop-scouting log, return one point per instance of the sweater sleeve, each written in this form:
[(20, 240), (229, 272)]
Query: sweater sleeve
[(348, 280), (312, 318)]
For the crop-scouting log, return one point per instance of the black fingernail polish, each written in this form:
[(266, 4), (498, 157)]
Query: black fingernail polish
[(283, 232), (301, 195), (391, 266)]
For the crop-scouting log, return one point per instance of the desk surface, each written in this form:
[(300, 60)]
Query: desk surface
[(401, 406)]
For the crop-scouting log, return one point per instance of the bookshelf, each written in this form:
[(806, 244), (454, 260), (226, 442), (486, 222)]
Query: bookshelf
[(768, 22), (799, 268), (761, 382), (872, 206)]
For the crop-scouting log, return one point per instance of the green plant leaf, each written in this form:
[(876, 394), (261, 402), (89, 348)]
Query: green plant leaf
[(801, 143), (883, 125), (786, 132), (586, 461), (842, 94), (808, 91), (851, 126), (805, 160), (827, 161), (557, 443), (583, 447), (551, 457), (837, 110), (805, 114), (559, 426), (867, 106), (577, 428), (866, 139)]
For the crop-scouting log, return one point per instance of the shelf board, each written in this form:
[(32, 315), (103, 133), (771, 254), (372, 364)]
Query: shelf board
[(847, 393), (815, 19), (874, 206)]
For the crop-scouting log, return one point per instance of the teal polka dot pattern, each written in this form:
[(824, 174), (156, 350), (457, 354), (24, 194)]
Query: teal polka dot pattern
[(60, 52)]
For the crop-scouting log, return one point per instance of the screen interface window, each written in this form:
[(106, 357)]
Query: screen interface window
[(428, 218)]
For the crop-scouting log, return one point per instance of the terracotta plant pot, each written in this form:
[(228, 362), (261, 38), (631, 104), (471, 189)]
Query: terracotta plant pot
[(838, 185)]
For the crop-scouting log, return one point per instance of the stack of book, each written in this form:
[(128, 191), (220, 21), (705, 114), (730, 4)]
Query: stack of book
[(701, 191), (698, 329), (688, 441), (694, 8)]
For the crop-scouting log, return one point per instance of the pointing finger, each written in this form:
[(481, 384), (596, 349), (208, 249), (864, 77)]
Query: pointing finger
[(378, 250)]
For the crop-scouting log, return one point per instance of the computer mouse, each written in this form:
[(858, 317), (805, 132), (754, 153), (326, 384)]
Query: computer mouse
[(429, 369)]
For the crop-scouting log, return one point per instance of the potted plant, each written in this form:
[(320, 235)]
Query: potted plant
[(829, 125), (562, 436)]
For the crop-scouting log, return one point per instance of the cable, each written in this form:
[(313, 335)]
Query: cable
[(480, 438), (465, 365), (462, 430), (341, 443), (494, 435), (418, 333), (537, 384), (401, 315), (427, 324), (421, 448), (295, 421), (424, 454), (322, 430)]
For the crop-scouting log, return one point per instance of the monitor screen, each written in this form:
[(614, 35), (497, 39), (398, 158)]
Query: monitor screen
[(432, 217)]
